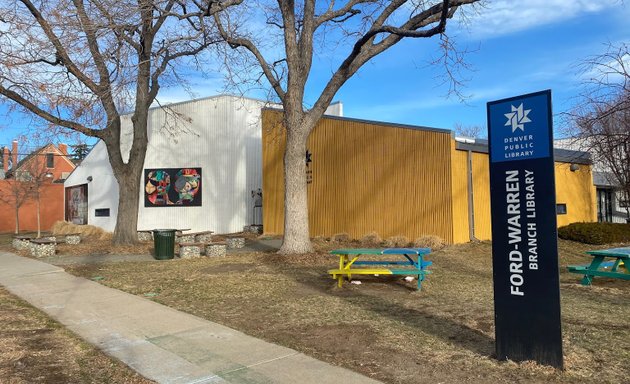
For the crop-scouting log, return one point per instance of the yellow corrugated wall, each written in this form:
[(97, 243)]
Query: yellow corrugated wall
[(460, 195), (575, 189), (481, 193), (273, 142), (365, 177)]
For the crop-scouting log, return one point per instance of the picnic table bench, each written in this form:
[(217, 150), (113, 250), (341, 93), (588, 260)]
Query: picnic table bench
[(598, 267), (348, 259), (193, 250)]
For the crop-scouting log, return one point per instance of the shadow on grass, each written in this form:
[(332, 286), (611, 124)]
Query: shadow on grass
[(444, 328)]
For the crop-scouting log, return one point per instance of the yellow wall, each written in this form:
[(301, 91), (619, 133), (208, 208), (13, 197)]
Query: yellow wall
[(369, 177), (575, 189), (365, 177), (460, 195), (273, 143), (481, 193)]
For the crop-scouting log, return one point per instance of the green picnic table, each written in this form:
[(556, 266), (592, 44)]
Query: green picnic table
[(411, 263), (599, 267)]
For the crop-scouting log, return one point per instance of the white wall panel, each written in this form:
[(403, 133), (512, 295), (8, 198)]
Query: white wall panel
[(222, 135), (102, 190)]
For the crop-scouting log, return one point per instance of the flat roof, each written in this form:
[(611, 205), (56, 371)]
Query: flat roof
[(559, 154), (376, 122)]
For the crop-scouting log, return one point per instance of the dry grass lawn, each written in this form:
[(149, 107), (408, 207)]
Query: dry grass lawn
[(36, 349), (383, 328)]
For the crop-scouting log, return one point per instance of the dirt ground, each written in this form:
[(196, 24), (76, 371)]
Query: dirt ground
[(382, 328), (36, 349)]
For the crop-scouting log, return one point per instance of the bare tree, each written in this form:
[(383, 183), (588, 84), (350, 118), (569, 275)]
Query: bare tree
[(26, 183), (600, 122), (78, 64), (309, 28), (15, 193), (472, 131)]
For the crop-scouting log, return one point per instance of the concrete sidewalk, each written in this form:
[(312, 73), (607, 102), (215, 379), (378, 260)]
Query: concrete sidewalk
[(159, 342)]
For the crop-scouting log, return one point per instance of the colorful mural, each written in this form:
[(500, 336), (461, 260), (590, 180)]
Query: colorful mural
[(76, 204), (172, 187)]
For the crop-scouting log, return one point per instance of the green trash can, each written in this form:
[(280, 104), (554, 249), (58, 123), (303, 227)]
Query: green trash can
[(164, 243)]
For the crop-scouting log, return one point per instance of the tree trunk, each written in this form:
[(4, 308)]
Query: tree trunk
[(296, 228), (17, 220), (39, 231), (126, 231)]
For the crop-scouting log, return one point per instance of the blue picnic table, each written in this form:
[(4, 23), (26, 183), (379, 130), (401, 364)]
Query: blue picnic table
[(599, 267), (410, 263)]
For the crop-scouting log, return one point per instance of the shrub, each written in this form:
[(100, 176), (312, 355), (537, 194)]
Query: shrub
[(429, 241), (371, 239), (340, 238), (596, 233), (88, 231), (396, 241)]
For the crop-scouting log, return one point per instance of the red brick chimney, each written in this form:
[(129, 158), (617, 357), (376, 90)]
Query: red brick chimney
[(14, 153), (63, 148), (5, 159)]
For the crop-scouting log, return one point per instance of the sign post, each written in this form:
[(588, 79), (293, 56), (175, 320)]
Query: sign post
[(524, 232)]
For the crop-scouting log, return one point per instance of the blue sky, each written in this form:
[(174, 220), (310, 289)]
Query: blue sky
[(512, 51), (506, 60)]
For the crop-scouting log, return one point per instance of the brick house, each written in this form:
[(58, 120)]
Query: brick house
[(50, 165)]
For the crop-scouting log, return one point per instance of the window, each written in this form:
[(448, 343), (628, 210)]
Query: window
[(561, 209), (101, 212), (50, 160)]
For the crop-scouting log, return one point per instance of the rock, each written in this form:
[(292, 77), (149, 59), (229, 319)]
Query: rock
[(215, 250), (43, 250), (204, 238), (73, 239), (235, 242), (185, 238), (189, 251), (21, 243), (145, 236)]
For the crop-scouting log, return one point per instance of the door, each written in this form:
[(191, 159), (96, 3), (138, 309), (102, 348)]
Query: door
[(604, 205)]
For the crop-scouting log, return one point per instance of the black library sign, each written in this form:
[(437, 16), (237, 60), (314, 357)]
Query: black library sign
[(524, 232)]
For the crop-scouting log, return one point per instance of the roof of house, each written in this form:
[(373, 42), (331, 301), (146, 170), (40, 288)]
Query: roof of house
[(605, 179), (31, 155), (376, 122), (559, 154)]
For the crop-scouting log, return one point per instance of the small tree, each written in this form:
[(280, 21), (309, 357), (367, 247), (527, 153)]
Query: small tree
[(15, 193), (25, 184), (79, 153), (472, 131), (600, 123), (606, 134), (370, 27)]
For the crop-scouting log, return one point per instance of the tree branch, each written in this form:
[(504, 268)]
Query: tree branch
[(61, 51), (236, 42), (48, 116)]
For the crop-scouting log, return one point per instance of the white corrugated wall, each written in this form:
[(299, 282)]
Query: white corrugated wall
[(102, 189), (221, 135)]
